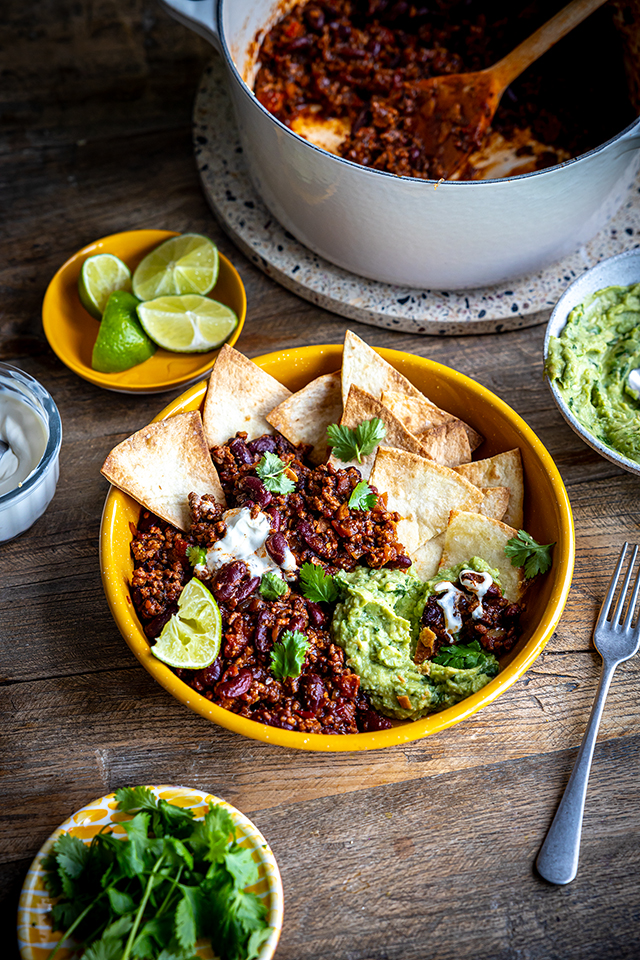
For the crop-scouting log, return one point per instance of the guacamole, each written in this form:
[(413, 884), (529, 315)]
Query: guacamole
[(590, 363), (377, 623)]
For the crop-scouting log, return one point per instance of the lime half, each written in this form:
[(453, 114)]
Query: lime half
[(99, 277), (184, 264), (121, 342), (191, 639), (187, 324)]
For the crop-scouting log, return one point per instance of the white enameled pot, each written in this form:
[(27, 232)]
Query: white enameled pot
[(445, 236)]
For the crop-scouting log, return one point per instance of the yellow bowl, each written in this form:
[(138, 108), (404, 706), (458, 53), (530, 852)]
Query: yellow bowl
[(547, 517), (72, 332), (36, 938)]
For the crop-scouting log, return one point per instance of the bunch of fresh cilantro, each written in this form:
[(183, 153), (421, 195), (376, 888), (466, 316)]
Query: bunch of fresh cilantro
[(152, 895)]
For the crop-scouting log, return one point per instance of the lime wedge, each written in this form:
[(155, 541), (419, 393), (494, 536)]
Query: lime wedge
[(184, 264), (191, 639), (187, 324), (99, 277), (121, 341)]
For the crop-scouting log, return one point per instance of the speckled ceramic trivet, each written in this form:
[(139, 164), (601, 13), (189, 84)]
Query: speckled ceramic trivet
[(520, 303)]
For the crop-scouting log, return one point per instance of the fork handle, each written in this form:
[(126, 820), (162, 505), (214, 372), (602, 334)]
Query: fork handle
[(558, 858)]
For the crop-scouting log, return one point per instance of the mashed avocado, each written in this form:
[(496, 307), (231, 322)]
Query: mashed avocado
[(377, 622), (590, 363)]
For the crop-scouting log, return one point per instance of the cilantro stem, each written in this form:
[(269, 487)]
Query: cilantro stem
[(75, 923), (174, 881), (141, 908)]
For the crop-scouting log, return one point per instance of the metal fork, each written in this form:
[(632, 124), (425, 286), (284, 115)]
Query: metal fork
[(615, 640)]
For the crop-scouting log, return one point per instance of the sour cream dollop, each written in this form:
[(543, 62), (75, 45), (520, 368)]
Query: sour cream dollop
[(469, 580), (245, 540), (24, 430)]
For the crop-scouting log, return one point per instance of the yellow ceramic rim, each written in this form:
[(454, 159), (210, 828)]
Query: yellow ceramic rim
[(71, 332), (329, 356)]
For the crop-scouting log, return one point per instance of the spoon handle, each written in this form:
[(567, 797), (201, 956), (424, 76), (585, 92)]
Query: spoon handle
[(511, 66)]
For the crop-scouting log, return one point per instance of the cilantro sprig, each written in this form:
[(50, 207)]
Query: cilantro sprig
[(362, 497), (272, 471), (153, 894), (357, 442), (272, 585), (317, 585), (526, 552), (196, 555), (466, 657), (287, 655)]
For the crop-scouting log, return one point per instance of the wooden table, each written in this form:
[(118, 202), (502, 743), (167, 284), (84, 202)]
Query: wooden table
[(415, 852)]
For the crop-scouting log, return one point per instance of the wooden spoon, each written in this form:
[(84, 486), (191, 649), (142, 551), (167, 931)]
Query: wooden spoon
[(454, 111)]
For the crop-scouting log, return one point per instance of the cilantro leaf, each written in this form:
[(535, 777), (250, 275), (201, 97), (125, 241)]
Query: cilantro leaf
[(271, 471), (466, 657), (355, 444), (71, 855), (362, 497), (210, 836), (287, 655), (272, 585), (526, 552), (196, 555), (316, 585)]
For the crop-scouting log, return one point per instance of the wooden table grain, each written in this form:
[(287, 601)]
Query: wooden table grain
[(419, 851)]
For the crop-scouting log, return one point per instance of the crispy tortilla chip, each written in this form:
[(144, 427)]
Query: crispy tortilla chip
[(447, 443), (239, 397), (420, 415), (362, 406), (474, 535), (426, 647), (160, 465), (423, 493), (496, 502), (426, 559), (503, 470), (305, 415), (367, 369)]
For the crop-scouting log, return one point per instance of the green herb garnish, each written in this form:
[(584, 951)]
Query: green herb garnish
[(272, 585), (526, 552), (354, 444), (316, 584), (467, 657), (196, 555), (271, 471), (287, 655), (362, 497), (152, 895)]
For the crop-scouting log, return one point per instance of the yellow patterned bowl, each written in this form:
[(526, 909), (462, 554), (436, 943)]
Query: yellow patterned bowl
[(547, 517), (36, 938), (72, 332)]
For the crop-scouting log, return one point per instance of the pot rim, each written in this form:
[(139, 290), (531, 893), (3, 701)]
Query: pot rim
[(449, 184)]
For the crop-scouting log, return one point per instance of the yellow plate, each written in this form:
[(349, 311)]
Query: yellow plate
[(547, 517), (36, 938), (72, 332)]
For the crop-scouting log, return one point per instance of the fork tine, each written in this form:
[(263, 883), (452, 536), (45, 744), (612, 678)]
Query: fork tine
[(634, 596), (615, 620), (611, 589)]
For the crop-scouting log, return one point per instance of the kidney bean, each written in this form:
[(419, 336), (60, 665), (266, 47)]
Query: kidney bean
[(300, 43), (368, 721), (274, 517), (235, 686), (154, 627), (306, 531), (401, 562), (227, 579), (261, 445), (348, 684), (208, 676), (260, 636), (297, 622), (312, 692), (317, 616), (240, 451), (246, 589), (257, 490), (276, 545)]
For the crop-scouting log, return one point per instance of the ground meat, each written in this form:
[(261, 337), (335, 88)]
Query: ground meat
[(497, 629), (360, 60)]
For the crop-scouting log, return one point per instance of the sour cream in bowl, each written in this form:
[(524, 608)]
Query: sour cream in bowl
[(30, 439)]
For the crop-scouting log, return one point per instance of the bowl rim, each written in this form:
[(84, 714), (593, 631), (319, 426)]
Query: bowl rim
[(167, 383), (403, 732), (556, 324)]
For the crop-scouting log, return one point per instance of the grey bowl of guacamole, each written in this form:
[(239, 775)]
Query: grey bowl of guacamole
[(591, 348)]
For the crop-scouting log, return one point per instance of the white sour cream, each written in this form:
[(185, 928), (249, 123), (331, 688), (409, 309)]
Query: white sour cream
[(24, 430), (245, 540), (448, 604), (479, 588)]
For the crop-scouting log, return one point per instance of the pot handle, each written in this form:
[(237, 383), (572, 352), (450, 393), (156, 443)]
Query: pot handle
[(201, 16)]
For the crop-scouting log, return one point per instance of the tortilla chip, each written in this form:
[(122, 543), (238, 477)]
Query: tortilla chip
[(503, 470), (160, 465), (420, 415), (423, 493), (367, 369), (426, 559), (426, 647), (239, 397), (362, 406), (474, 535), (305, 415), (496, 502), (447, 443)]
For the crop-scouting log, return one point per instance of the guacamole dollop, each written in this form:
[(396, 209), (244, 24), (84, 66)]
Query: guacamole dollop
[(377, 623), (590, 363)]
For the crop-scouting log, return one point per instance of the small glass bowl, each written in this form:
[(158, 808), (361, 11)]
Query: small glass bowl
[(21, 507)]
